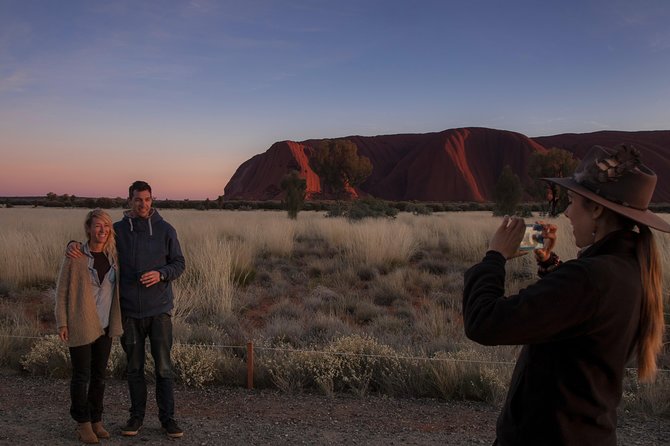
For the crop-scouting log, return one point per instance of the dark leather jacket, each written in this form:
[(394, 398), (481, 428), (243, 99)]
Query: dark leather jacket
[(578, 325)]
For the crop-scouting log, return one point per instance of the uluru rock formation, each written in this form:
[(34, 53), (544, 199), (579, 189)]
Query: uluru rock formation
[(453, 165)]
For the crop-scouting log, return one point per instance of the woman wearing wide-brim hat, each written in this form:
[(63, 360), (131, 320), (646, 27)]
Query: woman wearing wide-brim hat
[(585, 319)]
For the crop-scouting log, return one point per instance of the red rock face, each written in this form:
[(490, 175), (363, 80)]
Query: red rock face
[(654, 146), (259, 178), (454, 165)]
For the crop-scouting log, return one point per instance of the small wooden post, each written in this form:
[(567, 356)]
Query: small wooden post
[(250, 365)]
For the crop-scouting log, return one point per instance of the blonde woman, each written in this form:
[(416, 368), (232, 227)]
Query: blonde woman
[(88, 317), (585, 319)]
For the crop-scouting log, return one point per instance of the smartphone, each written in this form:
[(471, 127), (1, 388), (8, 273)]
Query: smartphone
[(532, 238)]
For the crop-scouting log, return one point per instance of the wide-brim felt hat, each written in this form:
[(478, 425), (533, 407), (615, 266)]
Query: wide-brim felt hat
[(616, 179)]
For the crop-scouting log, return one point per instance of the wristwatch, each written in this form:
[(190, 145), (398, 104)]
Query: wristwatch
[(162, 277)]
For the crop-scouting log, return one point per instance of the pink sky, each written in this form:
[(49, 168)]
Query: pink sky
[(176, 178), (95, 95)]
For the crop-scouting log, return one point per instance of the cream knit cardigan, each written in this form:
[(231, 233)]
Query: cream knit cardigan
[(75, 304)]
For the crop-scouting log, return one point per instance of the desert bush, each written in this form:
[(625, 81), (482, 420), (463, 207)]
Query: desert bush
[(418, 209), (357, 364), (287, 309), (116, 366), (433, 321), (390, 329), (469, 375), (363, 364), (649, 398), (366, 273), (293, 371), (370, 208), (230, 369), (362, 311), (436, 267), (48, 356), (194, 365), (389, 289), (323, 328), (284, 331)]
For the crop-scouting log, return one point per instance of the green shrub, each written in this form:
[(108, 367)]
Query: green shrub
[(419, 209), (370, 208), (362, 208)]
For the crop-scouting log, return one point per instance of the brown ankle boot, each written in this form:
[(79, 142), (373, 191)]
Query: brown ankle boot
[(99, 430), (86, 434)]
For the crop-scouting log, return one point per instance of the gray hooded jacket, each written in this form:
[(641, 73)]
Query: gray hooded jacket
[(147, 244)]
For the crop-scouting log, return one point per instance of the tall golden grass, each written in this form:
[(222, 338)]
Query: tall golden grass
[(306, 283), (220, 244), (217, 243)]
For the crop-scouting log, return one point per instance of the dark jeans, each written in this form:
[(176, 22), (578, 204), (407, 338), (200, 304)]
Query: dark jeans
[(159, 330), (87, 386)]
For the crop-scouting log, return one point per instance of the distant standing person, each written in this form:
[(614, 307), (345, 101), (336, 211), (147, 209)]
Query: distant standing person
[(87, 317), (583, 321), (150, 258)]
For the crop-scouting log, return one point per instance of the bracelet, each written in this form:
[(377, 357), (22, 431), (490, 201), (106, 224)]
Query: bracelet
[(548, 265)]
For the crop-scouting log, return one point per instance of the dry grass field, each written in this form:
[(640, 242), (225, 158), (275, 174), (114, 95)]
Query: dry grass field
[(331, 305)]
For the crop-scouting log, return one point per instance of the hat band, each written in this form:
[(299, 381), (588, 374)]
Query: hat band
[(593, 187)]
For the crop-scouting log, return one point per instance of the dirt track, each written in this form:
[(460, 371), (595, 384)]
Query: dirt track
[(35, 411)]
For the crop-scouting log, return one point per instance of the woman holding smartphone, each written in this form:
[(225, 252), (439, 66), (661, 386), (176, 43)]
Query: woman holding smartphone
[(586, 318)]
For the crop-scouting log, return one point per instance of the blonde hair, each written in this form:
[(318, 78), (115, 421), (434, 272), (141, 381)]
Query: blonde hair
[(109, 248), (650, 334)]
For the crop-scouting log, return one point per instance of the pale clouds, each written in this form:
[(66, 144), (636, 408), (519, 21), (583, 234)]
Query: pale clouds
[(13, 82)]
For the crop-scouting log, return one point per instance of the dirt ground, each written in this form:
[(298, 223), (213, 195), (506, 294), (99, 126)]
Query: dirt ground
[(34, 411)]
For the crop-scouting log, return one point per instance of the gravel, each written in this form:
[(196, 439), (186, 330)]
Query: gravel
[(34, 410)]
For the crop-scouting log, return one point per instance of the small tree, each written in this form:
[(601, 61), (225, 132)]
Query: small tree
[(508, 192), (339, 166), (556, 163), (295, 188)]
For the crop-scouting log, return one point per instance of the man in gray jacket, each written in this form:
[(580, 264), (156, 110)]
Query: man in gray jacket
[(150, 258)]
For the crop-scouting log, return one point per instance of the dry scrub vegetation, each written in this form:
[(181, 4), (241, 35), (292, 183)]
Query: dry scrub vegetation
[(331, 305)]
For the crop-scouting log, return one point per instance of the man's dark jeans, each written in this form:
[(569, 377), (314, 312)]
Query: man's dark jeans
[(159, 330), (87, 386)]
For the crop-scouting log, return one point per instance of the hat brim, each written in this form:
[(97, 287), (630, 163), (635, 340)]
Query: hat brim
[(645, 217)]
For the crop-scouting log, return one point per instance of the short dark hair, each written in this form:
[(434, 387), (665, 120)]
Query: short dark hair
[(138, 186)]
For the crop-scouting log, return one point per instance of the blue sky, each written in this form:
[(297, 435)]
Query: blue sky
[(95, 94)]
